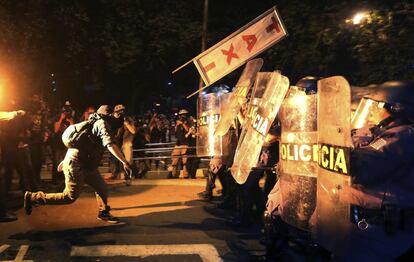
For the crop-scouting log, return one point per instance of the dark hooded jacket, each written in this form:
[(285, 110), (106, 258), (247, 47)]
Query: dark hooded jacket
[(101, 136)]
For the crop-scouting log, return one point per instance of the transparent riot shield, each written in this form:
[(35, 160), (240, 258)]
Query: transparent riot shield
[(238, 97), (208, 115), (269, 91), (298, 159), (368, 113), (252, 108), (334, 140)]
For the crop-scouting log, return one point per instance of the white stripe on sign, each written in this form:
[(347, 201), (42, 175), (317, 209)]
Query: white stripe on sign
[(207, 253)]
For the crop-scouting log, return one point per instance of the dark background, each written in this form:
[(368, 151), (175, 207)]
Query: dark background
[(108, 51)]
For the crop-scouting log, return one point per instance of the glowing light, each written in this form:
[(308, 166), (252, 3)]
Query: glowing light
[(4, 85), (290, 137), (1, 90), (359, 18), (299, 100), (360, 117), (211, 142)]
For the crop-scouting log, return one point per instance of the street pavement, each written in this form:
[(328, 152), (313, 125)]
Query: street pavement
[(162, 220)]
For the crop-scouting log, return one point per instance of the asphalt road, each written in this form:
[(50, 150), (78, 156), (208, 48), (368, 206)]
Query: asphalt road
[(162, 221)]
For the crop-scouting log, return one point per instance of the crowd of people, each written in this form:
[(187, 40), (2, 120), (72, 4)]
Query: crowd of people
[(31, 141)]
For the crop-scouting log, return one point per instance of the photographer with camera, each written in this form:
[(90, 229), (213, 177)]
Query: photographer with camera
[(124, 137), (181, 146), (192, 162), (58, 148)]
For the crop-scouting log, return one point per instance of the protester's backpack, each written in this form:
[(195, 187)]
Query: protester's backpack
[(78, 135)]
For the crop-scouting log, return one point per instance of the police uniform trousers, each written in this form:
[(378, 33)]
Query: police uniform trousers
[(374, 244), (75, 177)]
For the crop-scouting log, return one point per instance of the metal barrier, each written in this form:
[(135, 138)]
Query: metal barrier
[(162, 151)]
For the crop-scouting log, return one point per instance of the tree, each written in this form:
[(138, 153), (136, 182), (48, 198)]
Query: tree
[(322, 43)]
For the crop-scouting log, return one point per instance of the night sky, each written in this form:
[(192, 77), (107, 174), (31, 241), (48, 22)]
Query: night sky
[(103, 51)]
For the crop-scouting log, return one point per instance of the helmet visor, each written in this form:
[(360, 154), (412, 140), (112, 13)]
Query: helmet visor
[(368, 113)]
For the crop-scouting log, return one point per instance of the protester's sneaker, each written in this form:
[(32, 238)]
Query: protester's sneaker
[(27, 203), (107, 217), (128, 182), (7, 217)]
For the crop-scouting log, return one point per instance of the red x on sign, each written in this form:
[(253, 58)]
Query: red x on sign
[(230, 54)]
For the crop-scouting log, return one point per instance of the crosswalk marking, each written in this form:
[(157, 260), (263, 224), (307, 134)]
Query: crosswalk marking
[(207, 253), (22, 252), (3, 247), (20, 255)]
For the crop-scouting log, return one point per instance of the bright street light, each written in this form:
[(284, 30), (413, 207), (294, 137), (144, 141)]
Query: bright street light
[(359, 18)]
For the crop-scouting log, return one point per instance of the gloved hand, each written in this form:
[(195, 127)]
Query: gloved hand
[(128, 173), (274, 203)]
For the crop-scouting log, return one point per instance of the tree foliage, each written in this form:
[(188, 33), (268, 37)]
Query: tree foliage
[(322, 42), (110, 50)]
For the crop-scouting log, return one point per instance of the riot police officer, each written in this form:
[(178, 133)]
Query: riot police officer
[(382, 170), (181, 146), (292, 200)]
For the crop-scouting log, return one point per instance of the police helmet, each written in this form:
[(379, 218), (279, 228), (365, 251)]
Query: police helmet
[(397, 95), (309, 84)]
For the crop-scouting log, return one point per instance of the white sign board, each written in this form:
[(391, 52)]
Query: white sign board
[(242, 45)]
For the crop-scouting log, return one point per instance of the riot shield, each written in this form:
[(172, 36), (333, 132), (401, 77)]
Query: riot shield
[(251, 108), (368, 113), (208, 115), (269, 91), (298, 159), (238, 97), (334, 140)]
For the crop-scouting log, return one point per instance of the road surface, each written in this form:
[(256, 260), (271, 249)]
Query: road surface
[(162, 221)]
